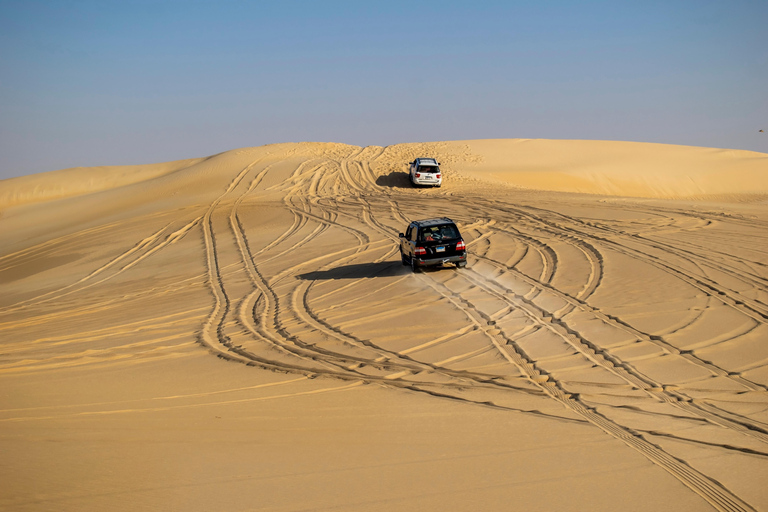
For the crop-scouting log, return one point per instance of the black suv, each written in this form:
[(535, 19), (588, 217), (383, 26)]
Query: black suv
[(432, 242)]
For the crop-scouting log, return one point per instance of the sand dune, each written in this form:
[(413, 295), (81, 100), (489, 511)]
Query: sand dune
[(238, 333), (80, 181), (624, 168)]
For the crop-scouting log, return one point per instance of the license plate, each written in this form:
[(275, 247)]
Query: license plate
[(440, 248)]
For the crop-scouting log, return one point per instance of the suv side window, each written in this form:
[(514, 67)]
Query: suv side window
[(414, 232)]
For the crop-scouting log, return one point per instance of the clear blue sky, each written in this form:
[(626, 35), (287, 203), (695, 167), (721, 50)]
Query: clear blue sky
[(106, 83)]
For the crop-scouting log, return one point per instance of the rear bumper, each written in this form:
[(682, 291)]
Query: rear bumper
[(426, 181), (458, 258)]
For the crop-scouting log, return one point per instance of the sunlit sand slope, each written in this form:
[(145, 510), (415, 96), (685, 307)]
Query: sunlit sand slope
[(238, 333), (624, 168)]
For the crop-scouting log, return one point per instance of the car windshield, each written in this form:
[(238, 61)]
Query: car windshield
[(435, 233), (427, 168)]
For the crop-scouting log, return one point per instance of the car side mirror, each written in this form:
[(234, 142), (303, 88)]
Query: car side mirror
[(402, 235)]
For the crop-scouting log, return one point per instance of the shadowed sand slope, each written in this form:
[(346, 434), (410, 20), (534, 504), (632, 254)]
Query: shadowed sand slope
[(238, 332)]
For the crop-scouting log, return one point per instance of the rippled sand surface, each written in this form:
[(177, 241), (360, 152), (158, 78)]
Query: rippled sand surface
[(238, 332)]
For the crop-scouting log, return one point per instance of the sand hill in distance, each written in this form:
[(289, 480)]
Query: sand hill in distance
[(237, 332)]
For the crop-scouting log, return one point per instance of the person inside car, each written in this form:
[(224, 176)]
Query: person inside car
[(431, 234)]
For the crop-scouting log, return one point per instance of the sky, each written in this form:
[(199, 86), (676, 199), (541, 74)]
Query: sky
[(90, 83)]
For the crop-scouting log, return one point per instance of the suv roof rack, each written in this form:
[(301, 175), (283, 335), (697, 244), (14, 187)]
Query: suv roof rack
[(431, 222)]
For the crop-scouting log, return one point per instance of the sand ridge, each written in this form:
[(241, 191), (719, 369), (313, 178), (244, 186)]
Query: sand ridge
[(247, 317)]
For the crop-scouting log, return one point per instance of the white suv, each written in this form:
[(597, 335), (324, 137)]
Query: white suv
[(425, 171)]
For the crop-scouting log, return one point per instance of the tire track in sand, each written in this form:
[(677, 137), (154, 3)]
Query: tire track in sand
[(613, 364), (659, 341), (618, 367), (252, 359), (708, 489), (139, 251), (711, 491), (606, 237)]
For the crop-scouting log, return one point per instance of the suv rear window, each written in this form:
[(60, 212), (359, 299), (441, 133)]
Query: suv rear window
[(427, 168), (435, 233)]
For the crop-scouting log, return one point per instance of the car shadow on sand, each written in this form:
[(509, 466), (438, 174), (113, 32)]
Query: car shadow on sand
[(357, 271), (395, 179)]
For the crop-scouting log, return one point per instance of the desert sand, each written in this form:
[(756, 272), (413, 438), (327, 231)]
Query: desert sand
[(237, 332)]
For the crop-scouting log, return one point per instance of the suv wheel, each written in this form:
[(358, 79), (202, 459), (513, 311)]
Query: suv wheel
[(413, 264), (403, 258)]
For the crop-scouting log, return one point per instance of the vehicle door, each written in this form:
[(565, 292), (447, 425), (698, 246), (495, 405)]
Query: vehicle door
[(412, 234), (405, 242)]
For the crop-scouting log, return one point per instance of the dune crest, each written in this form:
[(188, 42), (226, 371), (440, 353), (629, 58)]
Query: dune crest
[(625, 169), (81, 180), (630, 169)]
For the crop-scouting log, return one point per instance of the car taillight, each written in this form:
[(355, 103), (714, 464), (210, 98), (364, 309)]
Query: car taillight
[(437, 176), (420, 251), (460, 246), (418, 175)]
